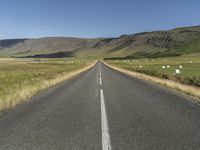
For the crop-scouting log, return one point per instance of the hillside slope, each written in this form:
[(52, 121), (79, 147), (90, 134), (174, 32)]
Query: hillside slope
[(149, 44), (30, 47)]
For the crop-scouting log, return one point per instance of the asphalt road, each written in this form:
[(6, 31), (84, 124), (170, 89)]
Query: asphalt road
[(102, 109)]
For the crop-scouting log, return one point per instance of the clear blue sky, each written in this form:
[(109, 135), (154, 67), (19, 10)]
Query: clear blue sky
[(93, 18)]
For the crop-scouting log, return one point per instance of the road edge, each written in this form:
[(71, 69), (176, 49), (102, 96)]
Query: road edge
[(188, 90), (27, 95)]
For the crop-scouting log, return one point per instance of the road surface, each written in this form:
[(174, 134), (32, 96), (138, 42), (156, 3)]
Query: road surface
[(102, 109)]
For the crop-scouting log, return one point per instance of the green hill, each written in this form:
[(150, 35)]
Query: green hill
[(174, 42)]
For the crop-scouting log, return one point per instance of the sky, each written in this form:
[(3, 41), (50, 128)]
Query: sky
[(93, 18)]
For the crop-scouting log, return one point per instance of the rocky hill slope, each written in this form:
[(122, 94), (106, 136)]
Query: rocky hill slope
[(148, 44)]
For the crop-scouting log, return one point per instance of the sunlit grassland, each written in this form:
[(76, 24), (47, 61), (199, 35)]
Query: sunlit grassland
[(189, 67), (22, 78)]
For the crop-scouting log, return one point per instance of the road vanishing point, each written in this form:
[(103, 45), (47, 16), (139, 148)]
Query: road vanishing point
[(102, 109)]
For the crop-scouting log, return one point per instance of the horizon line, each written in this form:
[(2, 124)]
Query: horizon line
[(76, 37)]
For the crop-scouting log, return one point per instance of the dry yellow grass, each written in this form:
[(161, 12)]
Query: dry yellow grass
[(187, 89), (28, 91)]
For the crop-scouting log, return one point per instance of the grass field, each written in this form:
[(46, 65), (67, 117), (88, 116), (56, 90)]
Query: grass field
[(189, 67), (22, 78)]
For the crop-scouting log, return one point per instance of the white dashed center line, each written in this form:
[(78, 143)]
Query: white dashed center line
[(100, 81), (106, 143), (99, 70)]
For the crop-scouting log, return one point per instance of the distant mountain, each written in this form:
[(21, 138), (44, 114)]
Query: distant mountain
[(174, 42)]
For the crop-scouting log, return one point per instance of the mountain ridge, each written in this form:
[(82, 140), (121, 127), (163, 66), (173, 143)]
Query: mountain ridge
[(145, 44)]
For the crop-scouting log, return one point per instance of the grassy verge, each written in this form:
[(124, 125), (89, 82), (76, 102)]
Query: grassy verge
[(22, 78), (187, 81)]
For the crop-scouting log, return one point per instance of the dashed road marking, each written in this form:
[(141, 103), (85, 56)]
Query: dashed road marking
[(106, 143), (100, 81), (99, 70)]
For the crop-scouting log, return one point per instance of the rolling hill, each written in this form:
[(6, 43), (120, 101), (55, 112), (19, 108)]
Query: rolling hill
[(175, 42)]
